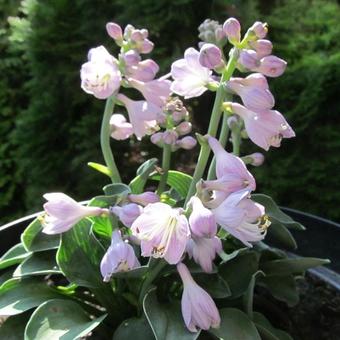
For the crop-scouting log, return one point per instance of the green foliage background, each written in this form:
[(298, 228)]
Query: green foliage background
[(49, 127)]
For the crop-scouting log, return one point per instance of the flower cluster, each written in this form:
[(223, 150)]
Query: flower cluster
[(220, 206)]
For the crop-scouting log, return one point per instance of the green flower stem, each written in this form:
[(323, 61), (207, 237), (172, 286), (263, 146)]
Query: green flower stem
[(213, 126), (236, 140), (105, 133), (165, 168), (223, 139), (151, 275)]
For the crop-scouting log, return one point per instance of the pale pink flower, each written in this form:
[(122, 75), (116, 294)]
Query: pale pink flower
[(262, 47), (120, 128), (265, 128), (114, 31), (63, 212), (232, 29), (272, 66), (142, 115), (210, 56), (130, 58), (184, 128), (252, 96), (127, 213), (186, 143), (144, 71), (154, 91), (257, 158), (249, 59), (255, 80), (170, 137), (198, 308), (120, 257), (242, 218), (190, 77), (204, 251), (100, 76), (163, 232), (260, 29), (201, 220), (145, 198), (231, 172)]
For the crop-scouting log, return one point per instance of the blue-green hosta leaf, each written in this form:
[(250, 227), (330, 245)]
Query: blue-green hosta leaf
[(274, 212), (214, 284), (267, 331), (14, 327), (60, 319), (281, 235), (248, 297), (143, 172), (291, 265), (79, 256), (239, 271), (14, 256), (235, 325), (34, 239), (177, 180), (40, 263), (20, 295), (118, 189), (134, 328), (166, 320)]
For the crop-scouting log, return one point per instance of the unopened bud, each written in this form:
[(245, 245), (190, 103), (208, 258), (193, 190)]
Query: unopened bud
[(257, 159), (170, 137), (210, 56), (178, 116), (131, 58), (114, 31), (272, 66), (262, 47), (157, 138), (127, 213), (260, 29), (232, 122), (186, 143), (249, 59), (232, 29), (120, 128), (146, 46), (145, 198), (184, 128)]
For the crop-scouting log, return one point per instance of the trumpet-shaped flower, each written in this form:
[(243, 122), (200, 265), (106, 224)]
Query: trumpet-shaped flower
[(202, 221), (120, 128), (120, 257), (100, 76), (198, 308), (154, 91), (163, 232), (190, 77), (145, 198), (204, 251), (142, 115), (242, 218), (265, 128), (63, 213), (252, 96)]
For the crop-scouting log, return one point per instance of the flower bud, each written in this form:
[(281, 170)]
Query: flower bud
[(184, 128), (127, 213), (202, 221), (255, 79), (114, 31), (260, 29), (157, 138), (232, 122), (177, 116), (232, 29), (272, 66), (210, 56), (186, 143), (262, 47), (131, 58), (211, 32), (249, 59), (120, 128), (146, 46), (145, 198), (127, 31), (257, 158), (219, 34), (170, 137)]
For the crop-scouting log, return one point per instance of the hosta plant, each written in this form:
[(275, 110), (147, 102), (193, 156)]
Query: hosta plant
[(168, 255)]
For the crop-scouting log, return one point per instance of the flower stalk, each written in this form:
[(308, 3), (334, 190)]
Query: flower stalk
[(165, 168), (105, 141)]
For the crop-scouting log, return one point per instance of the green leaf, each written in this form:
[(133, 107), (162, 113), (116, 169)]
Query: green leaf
[(177, 180), (248, 297), (239, 271), (102, 226), (274, 212), (41, 263), (267, 331), (235, 325), (133, 273), (282, 235), (34, 239), (166, 320), (79, 256), (13, 256), (227, 257), (14, 327), (134, 328), (17, 296), (100, 168), (118, 189), (214, 284), (143, 172), (292, 265), (60, 319), (283, 288)]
